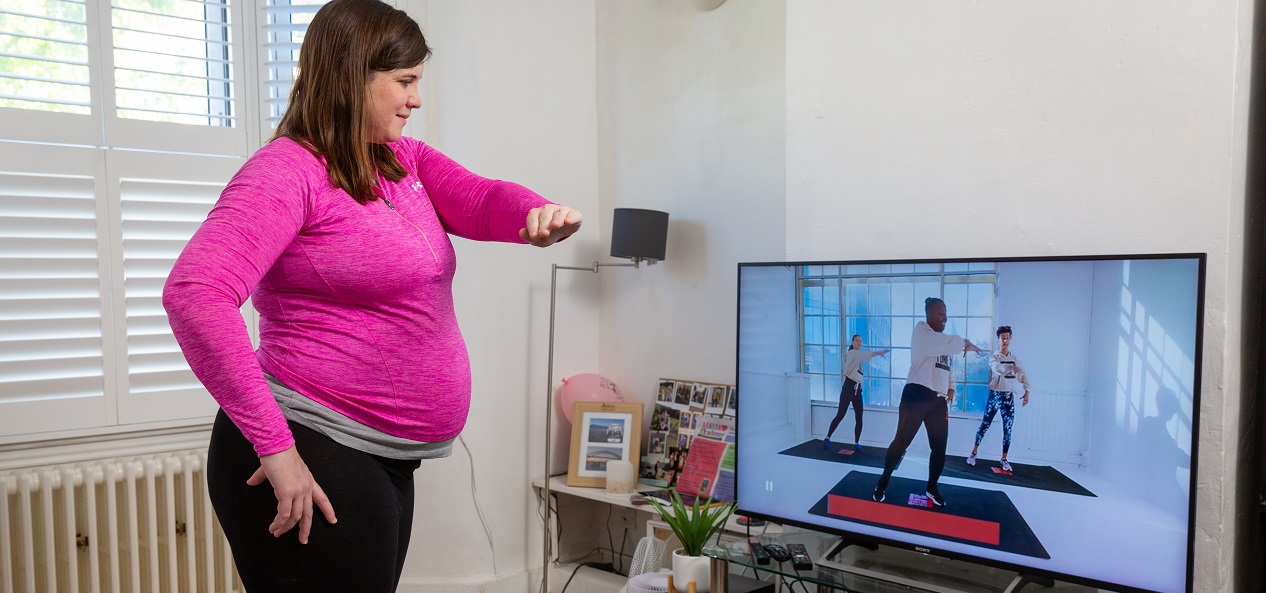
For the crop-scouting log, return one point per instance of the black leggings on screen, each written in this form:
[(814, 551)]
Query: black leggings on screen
[(850, 393), (920, 406), (372, 498)]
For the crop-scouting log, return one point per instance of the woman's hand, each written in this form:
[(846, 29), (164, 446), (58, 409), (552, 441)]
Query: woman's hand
[(550, 224), (295, 489)]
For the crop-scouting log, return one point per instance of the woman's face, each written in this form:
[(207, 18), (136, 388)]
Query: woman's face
[(857, 342), (393, 95)]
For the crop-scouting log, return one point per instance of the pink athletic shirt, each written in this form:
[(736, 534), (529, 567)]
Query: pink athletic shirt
[(355, 302)]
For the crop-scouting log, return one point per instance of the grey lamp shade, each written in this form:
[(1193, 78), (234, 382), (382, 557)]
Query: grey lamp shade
[(638, 233)]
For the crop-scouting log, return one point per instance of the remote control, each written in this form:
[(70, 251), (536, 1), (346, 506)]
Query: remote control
[(759, 553), (799, 557), (778, 552)]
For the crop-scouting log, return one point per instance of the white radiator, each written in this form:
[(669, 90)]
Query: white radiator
[(130, 525)]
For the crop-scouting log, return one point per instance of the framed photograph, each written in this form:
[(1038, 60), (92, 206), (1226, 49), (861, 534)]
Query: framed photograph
[(602, 432)]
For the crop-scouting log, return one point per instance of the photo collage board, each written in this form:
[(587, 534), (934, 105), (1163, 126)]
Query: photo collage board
[(680, 406)]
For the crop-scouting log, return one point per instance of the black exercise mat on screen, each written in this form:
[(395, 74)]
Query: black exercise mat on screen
[(978, 504), (1037, 477), (839, 452)]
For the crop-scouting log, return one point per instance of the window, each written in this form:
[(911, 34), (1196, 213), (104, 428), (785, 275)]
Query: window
[(120, 123), (882, 303), (44, 55), (173, 61), (284, 27)]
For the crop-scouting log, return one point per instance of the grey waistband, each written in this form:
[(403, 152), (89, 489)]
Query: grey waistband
[(301, 409)]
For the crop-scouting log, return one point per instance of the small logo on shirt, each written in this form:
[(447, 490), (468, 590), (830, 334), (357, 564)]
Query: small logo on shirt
[(417, 186)]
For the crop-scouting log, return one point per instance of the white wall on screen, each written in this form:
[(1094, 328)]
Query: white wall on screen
[(768, 317), (1048, 307), (1142, 353)]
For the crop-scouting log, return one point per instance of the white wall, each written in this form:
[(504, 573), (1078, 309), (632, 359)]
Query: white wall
[(691, 111), (770, 328), (995, 128), (509, 93), (1049, 309), (1142, 362)]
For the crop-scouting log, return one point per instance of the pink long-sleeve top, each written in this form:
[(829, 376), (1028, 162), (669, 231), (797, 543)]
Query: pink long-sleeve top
[(355, 301)]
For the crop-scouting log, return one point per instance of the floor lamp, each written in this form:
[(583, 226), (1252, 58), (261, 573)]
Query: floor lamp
[(638, 235)]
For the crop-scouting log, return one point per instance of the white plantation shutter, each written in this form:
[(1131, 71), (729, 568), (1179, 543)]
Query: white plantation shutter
[(52, 355), (284, 24), (47, 52), (173, 61), (120, 123), (162, 200), (44, 55)]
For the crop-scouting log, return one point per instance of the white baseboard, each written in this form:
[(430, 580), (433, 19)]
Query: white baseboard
[(587, 580), (513, 583)]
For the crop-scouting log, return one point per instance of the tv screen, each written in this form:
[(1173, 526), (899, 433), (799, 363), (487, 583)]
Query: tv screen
[(1032, 414)]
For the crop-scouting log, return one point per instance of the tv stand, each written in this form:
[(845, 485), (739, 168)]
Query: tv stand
[(856, 566), (1023, 579)]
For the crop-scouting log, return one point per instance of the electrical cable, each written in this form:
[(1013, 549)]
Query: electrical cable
[(612, 552), (610, 538), (474, 496), (540, 512), (623, 540), (577, 569)]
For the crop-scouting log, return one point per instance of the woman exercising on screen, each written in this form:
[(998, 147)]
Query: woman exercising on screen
[(1007, 378), (926, 397), (851, 392)]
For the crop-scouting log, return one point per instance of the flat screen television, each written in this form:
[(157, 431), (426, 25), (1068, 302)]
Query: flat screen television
[(1102, 454)]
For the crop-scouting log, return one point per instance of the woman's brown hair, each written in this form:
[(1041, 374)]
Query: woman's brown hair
[(346, 43)]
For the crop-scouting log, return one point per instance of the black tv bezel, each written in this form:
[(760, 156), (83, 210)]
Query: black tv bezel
[(1198, 363)]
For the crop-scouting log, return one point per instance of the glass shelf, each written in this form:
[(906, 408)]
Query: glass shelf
[(862, 569)]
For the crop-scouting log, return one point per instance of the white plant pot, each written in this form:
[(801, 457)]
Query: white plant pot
[(690, 568)]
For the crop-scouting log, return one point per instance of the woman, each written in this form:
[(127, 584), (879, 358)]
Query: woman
[(1007, 378), (926, 398), (337, 230), (851, 392)]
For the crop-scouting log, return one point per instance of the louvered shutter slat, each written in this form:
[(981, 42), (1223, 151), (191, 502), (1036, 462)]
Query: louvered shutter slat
[(44, 45), (286, 22), (50, 301), (158, 217), (194, 85)]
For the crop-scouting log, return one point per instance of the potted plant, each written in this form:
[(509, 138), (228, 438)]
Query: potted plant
[(693, 526)]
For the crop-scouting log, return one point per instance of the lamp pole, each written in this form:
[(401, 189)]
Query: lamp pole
[(547, 549)]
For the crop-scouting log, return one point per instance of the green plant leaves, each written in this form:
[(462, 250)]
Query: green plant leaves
[(693, 525)]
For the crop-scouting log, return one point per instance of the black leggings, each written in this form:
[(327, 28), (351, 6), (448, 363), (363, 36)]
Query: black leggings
[(372, 497), (920, 406), (850, 393)]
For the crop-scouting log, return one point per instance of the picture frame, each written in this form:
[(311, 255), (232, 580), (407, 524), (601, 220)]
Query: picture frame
[(602, 432)]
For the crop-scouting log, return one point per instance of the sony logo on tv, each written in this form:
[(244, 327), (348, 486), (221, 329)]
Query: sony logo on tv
[(922, 550)]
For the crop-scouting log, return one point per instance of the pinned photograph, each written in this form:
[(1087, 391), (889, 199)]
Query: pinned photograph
[(666, 389)]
